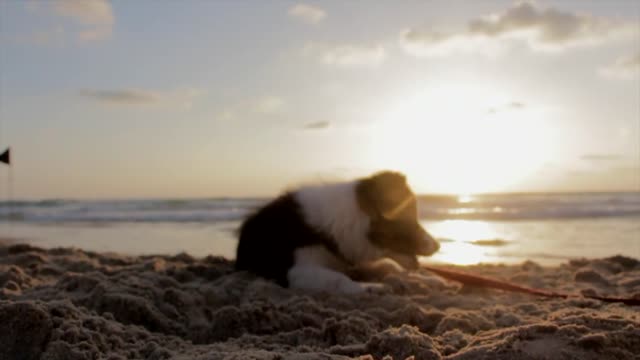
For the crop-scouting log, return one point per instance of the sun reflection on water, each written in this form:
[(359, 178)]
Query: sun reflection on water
[(455, 241)]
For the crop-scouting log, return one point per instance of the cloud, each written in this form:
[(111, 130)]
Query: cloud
[(95, 17), (307, 13), (226, 115), (318, 125), (351, 55), (624, 67), (269, 104), (600, 157), (429, 43), (51, 36), (182, 97), (347, 55), (544, 26), (262, 105), (89, 20), (514, 105), (88, 12), (542, 29), (128, 97)]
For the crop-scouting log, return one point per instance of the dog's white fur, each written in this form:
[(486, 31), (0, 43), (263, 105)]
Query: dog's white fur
[(334, 209)]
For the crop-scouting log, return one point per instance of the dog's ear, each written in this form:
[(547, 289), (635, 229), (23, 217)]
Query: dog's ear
[(381, 194)]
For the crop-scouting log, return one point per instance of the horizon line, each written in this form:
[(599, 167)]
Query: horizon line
[(252, 197)]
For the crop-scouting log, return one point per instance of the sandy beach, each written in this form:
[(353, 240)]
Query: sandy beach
[(148, 149), (65, 303)]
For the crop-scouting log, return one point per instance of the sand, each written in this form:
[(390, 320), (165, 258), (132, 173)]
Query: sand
[(67, 303)]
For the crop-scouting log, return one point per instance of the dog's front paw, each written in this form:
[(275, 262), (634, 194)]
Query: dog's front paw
[(409, 262)]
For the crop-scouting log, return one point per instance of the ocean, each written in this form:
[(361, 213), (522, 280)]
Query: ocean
[(500, 228)]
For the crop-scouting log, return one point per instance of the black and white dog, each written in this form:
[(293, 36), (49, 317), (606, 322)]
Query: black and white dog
[(312, 237)]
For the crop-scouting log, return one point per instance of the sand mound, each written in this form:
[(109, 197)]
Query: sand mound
[(72, 304)]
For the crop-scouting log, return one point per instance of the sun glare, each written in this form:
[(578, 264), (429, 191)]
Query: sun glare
[(456, 245), (460, 140)]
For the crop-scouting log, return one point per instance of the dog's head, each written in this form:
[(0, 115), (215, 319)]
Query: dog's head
[(391, 205)]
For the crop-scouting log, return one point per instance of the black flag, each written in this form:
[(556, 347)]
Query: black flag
[(6, 156)]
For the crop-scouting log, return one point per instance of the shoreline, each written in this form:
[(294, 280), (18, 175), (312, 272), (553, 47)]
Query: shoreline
[(462, 242), (70, 303)]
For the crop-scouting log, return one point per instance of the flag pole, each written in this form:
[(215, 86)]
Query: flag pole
[(5, 158)]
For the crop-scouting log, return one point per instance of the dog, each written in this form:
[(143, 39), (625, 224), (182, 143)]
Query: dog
[(324, 237)]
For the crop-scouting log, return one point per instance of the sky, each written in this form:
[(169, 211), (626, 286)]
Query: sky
[(121, 99)]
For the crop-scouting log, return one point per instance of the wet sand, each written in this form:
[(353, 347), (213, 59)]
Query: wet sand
[(66, 303)]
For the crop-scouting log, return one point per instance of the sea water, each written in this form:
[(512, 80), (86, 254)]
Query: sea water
[(497, 228)]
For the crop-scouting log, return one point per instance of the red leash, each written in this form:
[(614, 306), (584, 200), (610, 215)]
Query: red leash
[(482, 281)]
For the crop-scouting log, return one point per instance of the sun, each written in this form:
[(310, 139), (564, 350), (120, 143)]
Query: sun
[(460, 140)]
